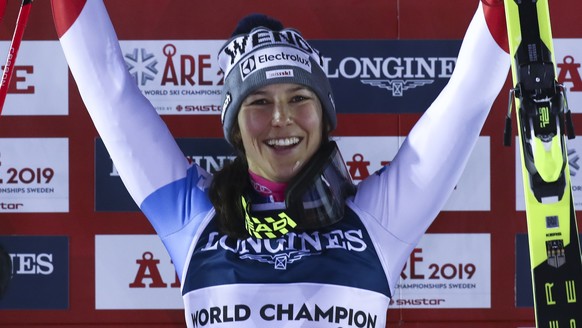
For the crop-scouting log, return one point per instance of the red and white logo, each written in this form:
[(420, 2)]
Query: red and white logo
[(34, 175), (178, 77), (568, 56), (366, 155), (447, 271), (134, 272), (39, 84)]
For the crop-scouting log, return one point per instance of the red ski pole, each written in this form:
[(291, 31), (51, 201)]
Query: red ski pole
[(14, 46)]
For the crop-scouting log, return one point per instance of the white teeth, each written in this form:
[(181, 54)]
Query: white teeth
[(283, 142)]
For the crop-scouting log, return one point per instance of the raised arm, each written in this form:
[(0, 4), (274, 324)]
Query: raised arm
[(410, 192), (143, 150)]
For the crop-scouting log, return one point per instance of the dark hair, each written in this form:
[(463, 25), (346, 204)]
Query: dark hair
[(226, 189)]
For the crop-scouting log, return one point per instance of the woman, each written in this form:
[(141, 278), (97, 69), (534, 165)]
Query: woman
[(281, 238)]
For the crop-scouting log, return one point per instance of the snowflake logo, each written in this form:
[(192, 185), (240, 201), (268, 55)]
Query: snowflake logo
[(141, 65)]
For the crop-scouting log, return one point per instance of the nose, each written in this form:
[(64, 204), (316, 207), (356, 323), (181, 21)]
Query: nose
[(282, 114)]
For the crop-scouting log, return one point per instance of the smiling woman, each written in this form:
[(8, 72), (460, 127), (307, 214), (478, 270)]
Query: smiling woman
[(281, 128), (281, 237)]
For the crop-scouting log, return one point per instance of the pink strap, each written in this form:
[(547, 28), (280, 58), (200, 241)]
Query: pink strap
[(268, 188)]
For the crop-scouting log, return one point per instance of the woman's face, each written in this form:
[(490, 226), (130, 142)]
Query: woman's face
[(281, 128)]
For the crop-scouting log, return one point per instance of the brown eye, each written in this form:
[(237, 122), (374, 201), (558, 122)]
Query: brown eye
[(255, 102), (299, 98), (261, 101)]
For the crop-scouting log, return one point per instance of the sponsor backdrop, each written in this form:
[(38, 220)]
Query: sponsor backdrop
[(82, 252)]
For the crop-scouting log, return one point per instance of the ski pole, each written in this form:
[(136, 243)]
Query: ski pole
[(21, 21)]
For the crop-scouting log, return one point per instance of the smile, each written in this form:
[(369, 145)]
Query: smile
[(283, 142)]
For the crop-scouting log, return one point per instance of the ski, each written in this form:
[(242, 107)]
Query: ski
[(544, 125)]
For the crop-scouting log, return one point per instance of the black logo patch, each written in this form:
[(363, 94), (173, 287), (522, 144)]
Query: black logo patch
[(247, 67)]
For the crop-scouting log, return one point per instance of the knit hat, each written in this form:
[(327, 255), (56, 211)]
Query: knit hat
[(265, 56)]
